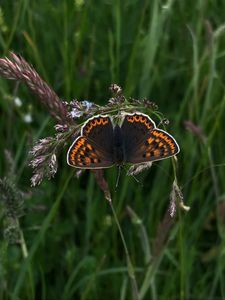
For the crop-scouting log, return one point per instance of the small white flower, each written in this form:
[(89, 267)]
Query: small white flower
[(18, 102), (27, 118), (86, 104), (75, 113)]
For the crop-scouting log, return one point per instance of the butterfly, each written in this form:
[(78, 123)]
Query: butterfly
[(102, 144)]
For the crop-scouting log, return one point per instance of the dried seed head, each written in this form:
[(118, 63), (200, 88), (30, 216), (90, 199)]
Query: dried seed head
[(143, 102), (120, 99), (103, 184), (172, 206), (149, 104), (61, 128), (115, 89), (79, 173), (43, 146), (53, 165), (136, 169), (165, 122), (44, 156), (36, 162), (16, 68), (176, 195), (196, 130), (37, 178)]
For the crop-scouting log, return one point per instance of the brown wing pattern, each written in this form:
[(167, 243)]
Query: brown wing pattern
[(93, 149), (134, 129), (99, 129), (142, 142), (84, 154), (157, 145)]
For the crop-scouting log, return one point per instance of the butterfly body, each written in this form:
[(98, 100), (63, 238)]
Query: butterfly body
[(137, 140), (118, 146)]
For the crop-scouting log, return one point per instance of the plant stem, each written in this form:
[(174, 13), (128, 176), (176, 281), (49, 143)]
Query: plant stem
[(130, 266)]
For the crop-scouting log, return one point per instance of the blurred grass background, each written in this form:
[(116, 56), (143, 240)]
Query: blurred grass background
[(172, 52)]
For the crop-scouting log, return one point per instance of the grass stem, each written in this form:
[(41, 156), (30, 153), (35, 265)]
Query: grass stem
[(130, 266)]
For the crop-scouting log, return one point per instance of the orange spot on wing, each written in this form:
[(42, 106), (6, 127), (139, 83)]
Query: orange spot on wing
[(93, 155), (150, 140), (130, 119), (157, 152), (89, 147), (142, 119), (94, 123), (87, 160), (147, 123), (76, 148)]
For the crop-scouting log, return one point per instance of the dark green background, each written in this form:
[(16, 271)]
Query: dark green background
[(169, 51)]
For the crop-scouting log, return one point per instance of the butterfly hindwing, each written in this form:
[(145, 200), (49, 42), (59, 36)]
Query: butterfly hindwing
[(157, 145), (85, 154)]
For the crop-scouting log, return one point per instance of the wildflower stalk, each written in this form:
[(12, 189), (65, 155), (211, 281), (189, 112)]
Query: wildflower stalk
[(103, 184), (16, 68), (130, 266)]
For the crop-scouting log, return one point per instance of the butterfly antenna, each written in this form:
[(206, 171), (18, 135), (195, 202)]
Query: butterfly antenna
[(137, 180), (118, 177), (134, 177)]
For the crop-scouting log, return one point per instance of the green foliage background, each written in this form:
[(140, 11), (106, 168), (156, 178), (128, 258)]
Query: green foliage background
[(172, 52)]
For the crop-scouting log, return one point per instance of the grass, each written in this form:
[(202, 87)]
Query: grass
[(171, 52)]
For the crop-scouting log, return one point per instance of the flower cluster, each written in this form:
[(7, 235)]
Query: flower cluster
[(44, 161), (81, 109)]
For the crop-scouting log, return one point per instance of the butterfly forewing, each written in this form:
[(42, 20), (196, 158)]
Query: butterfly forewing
[(93, 149), (99, 129), (134, 128)]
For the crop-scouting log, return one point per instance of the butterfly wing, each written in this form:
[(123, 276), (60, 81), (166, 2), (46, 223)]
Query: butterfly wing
[(144, 142), (93, 149), (157, 145), (135, 127), (99, 129)]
